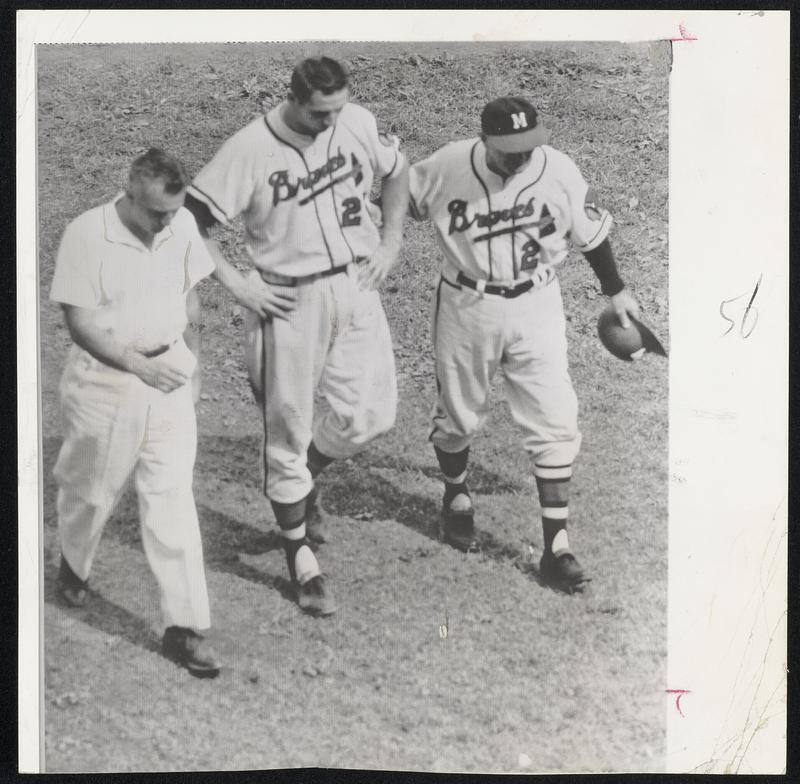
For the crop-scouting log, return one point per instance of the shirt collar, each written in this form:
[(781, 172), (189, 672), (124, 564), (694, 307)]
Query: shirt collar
[(116, 231), (531, 172), (276, 122)]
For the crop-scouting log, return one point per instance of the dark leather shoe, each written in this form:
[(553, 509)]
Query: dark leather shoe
[(314, 597), (563, 573), (71, 588), (190, 650), (316, 518), (458, 524)]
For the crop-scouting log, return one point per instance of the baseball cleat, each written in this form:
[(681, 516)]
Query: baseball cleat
[(189, 649), (458, 524), (71, 588), (563, 573), (316, 518), (315, 598)]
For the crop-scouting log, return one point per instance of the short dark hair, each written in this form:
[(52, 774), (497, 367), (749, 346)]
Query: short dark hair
[(156, 164), (318, 73)]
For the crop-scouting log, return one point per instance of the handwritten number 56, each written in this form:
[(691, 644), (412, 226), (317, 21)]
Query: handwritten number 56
[(749, 317)]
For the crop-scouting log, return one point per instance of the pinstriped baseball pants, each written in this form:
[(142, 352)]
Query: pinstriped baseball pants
[(525, 339), (336, 341)]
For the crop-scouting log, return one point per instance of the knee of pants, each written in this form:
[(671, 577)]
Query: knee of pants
[(554, 453), (171, 517), (452, 433)]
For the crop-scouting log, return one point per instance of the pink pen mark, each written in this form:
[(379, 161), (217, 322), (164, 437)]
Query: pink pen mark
[(684, 35), (679, 693)]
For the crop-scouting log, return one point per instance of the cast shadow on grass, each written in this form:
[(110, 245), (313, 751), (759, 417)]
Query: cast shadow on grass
[(225, 539), (351, 489), (104, 615), (354, 492)]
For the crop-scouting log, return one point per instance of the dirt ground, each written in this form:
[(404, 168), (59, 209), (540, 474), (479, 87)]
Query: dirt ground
[(435, 661)]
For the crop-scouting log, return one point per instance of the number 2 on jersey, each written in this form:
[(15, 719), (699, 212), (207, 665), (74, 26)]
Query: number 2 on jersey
[(352, 212), (530, 250), (530, 255)]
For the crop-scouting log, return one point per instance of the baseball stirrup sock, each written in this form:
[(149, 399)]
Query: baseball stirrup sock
[(453, 464), (316, 461), (553, 484), (299, 558), (454, 488)]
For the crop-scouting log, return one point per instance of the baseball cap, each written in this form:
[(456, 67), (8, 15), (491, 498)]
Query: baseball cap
[(510, 125)]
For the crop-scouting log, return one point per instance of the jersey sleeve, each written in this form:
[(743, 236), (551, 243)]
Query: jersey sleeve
[(226, 184), (422, 180), (198, 263), (589, 223), (76, 280), (382, 147)]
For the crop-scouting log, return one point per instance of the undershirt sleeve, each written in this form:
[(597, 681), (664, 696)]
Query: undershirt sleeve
[(202, 214), (601, 260)]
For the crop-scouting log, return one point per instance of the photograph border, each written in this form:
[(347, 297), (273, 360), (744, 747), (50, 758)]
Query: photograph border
[(728, 390)]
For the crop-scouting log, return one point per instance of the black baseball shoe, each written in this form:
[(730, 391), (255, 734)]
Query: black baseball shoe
[(316, 518), (314, 597), (189, 649), (458, 524), (72, 590), (563, 573)]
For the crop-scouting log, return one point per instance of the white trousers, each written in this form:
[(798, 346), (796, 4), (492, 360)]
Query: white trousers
[(117, 425), (525, 338), (336, 340)]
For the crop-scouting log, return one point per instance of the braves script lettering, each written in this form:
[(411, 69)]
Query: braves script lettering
[(283, 188), (460, 220)]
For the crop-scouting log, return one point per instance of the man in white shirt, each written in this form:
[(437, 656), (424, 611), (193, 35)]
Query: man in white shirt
[(125, 276)]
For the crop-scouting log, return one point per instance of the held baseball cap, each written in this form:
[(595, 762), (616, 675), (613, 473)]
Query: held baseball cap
[(510, 125)]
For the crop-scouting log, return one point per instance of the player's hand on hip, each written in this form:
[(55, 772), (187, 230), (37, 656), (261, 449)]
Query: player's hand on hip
[(266, 299), (625, 306), (158, 373), (373, 272)]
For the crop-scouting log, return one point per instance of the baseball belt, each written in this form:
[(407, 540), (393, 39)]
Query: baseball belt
[(286, 280), (481, 286)]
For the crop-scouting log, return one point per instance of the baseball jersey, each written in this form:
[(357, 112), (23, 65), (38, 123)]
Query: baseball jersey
[(302, 199), (505, 230), (139, 293)]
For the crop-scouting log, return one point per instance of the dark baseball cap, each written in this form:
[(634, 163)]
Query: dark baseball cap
[(510, 125)]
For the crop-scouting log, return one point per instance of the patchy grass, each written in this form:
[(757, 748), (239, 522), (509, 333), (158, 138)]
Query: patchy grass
[(574, 683)]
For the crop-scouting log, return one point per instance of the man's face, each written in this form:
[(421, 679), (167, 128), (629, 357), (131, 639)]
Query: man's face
[(506, 164), (318, 113), (152, 208)]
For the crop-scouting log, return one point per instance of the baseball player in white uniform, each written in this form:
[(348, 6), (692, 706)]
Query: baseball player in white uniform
[(504, 206), (125, 276), (300, 176)]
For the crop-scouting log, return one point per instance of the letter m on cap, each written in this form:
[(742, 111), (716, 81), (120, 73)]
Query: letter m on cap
[(519, 119)]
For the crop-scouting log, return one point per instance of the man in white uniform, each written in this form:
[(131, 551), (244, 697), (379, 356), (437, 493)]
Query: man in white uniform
[(125, 277), (504, 206), (300, 176)]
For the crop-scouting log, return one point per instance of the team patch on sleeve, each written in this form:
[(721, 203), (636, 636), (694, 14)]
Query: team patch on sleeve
[(388, 139), (593, 210)]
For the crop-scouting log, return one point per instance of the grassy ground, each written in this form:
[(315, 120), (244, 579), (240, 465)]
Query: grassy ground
[(525, 679)]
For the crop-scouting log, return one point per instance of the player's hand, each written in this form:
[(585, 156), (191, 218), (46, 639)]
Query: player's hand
[(625, 305), (373, 272), (265, 299), (156, 372)]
